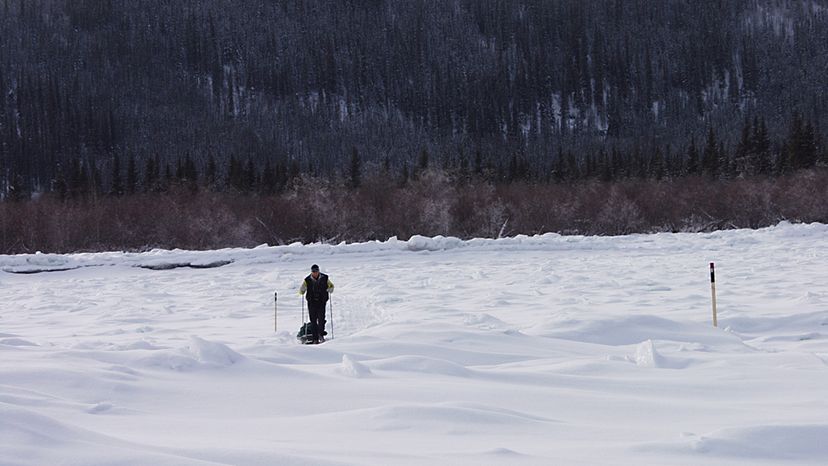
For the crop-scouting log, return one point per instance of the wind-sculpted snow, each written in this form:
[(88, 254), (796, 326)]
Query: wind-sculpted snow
[(217, 354), (423, 365), (31, 438), (533, 350), (783, 442), (447, 417), (766, 444), (629, 330)]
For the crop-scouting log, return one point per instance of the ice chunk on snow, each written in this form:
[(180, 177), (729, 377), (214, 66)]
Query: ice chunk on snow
[(437, 243), (646, 355), (352, 368), (210, 352)]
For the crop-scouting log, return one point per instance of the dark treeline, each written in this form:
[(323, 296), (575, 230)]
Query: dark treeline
[(753, 154)]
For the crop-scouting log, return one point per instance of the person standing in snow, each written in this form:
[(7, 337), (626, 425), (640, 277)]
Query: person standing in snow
[(317, 288)]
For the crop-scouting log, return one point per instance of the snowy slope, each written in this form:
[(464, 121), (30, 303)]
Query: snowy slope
[(527, 350)]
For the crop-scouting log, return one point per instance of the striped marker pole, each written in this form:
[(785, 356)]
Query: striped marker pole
[(275, 311), (713, 293)]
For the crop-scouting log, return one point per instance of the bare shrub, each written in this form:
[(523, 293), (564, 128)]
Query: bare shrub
[(803, 196), (751, 203), (319, 210), (279, 220), (620, 215), (477, 211), (427, 203)]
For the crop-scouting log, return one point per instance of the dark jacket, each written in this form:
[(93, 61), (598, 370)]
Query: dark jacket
[(317, 291)]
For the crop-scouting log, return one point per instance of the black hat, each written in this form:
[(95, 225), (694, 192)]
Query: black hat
[(314, 268)]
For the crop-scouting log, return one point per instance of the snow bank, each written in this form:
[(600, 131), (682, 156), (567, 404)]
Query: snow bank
[(159, 259)]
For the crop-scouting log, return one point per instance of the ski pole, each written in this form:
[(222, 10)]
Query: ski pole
[(275, 311), (332, 319)]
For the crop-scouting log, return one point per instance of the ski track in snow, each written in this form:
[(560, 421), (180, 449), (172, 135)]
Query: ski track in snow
[(526, 350)]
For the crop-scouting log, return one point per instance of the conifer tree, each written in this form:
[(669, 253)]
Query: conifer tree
[(558, 167), (591, 166), (250, 177), (463, 174), (604, 166), (692, 159), (640, 165), (281, 176), (117, 188), (795, 150), (784, 161), (17, 188), (404, 174), (168, 177), (60, 185), (727, 166), (710, 157), (151, 175), (512, 174), (294, 170), (96, 187), (179, 171), (617, 168), (234, 175), (210, 174), (657, 166), (354, 170), (478, 163), (822, 158), (801, 144), (744, 156), (808, 146), (761, 147), (190, 171), (268, 182), (132, 176), (672, 164), (422, 162)]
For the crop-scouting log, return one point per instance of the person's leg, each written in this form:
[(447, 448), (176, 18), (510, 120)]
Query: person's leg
[(314, 312), (322, 320)]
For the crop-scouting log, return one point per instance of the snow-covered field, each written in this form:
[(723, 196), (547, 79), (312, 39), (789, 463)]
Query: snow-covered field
[(530, 350)]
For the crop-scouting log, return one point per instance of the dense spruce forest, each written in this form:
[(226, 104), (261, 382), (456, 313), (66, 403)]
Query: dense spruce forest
[(133, 124)]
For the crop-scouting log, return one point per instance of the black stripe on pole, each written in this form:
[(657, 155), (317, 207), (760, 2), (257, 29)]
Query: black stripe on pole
[(712, 274)]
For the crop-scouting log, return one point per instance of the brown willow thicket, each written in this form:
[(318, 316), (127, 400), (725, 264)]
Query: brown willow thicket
[(314, 209)]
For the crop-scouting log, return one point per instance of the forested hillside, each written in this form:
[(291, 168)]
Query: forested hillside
[(113, 97)]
